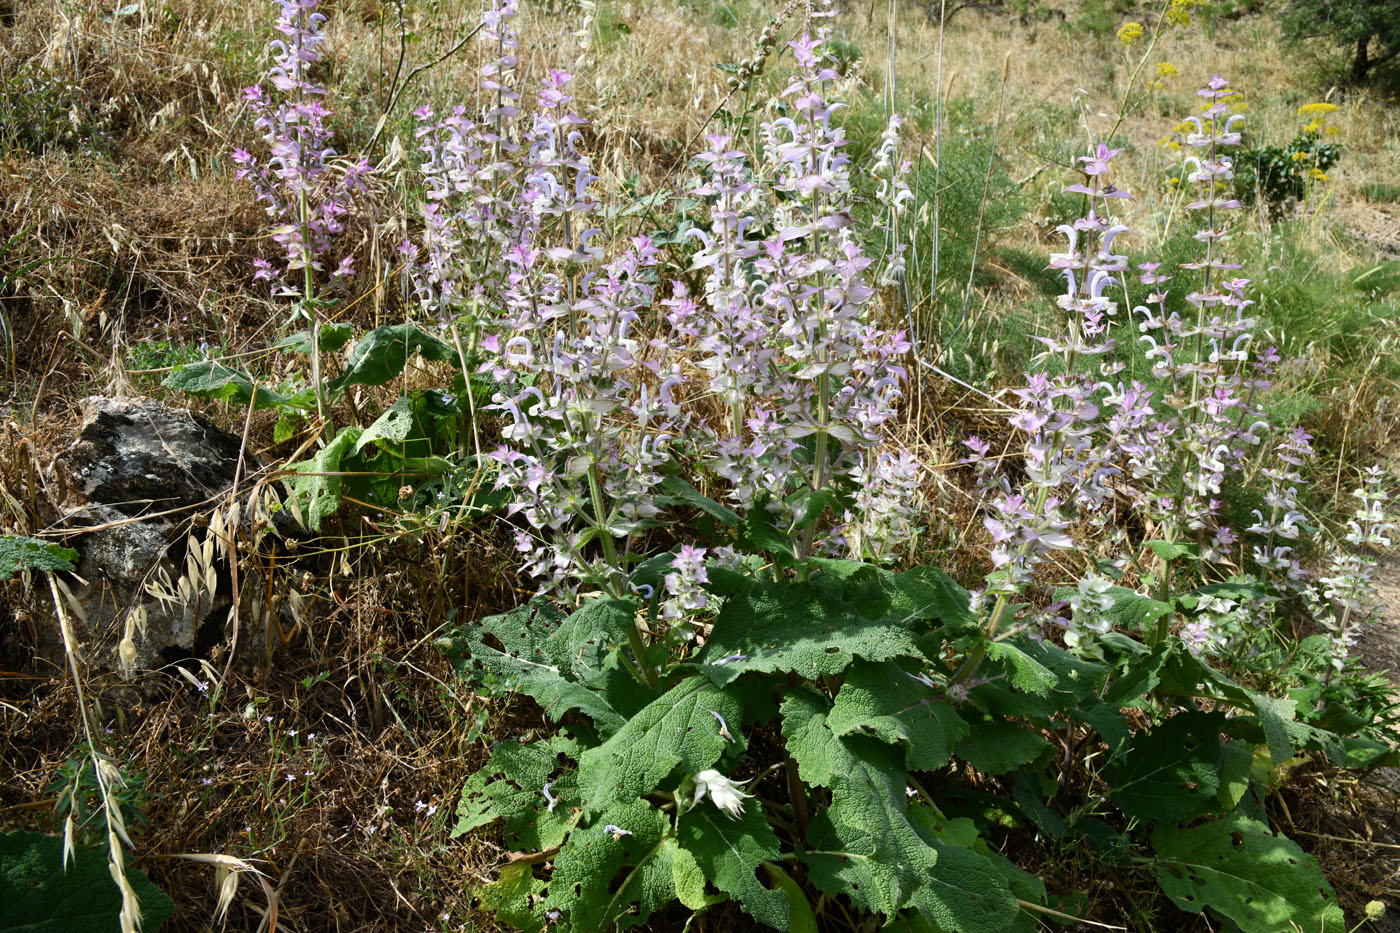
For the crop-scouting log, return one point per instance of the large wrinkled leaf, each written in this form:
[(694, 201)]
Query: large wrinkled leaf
[(681, 727), (562, 663), (866, 845), (515, 897), (382, 354), (512, 787), (995, 746), (1131, 610), (17, 553), (1237, 867), (891, 704), (1172, 771), (37, 895), (815, 628), (214, 380), (604, 877), (730, 851), (317, 482), (393, 425)]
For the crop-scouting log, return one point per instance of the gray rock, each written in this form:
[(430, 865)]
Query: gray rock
[(138, 478)]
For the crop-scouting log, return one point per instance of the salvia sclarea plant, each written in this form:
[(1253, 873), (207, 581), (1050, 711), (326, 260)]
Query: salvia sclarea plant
[(1167, 448), (594, 384), (752, 712), (829, 736)]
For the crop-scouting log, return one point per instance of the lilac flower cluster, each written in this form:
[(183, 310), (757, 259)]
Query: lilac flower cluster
[(1346, 597), (596, 391), (782, 329), (305, 196), (1168, 447)]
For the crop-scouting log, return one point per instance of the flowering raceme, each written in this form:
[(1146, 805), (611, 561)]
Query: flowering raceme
[(295, 180), (1170, 445), (809, 382), (594, 381)]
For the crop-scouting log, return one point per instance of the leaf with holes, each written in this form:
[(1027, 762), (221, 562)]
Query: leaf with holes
[(522, 786), (621, 868), (1238, 868)]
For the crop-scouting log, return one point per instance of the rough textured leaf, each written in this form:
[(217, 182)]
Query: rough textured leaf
[(1173, 771), (889, 703), (867, 846), (965, 892), (678, 728), (38, 896), (16, 553), (730, 851), (209, 379), (1023, 671), (995, 746), (816, 628), (682, 492), (563, 664), (382, 354), (515, 898), (334, 335), (316, 488), (602, 877), (1237, 867), (511, 787), (393, 425)]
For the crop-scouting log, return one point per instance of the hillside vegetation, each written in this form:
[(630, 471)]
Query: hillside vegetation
[(909, 466)]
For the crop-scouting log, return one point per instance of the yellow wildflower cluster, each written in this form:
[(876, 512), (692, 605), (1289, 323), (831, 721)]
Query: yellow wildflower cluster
[(1317, 174), (1179, 12), (1318, 125), (1165, 70), (1128, 33)]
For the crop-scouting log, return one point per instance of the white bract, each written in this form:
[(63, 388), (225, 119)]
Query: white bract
[(724, 793)]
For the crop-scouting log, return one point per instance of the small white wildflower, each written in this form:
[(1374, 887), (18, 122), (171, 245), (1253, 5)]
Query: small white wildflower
[(723, 792), (617, 832)]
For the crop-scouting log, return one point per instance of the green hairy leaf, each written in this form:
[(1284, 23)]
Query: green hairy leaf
[(682, 727), (213, 380), (562, 663), (866, 845), (890, 703), (316, 489), (729, 852), (602, 877), (382, 354), (818, 628), (38, 895), (17, 553), (512, 787), (1172, 771), (1239, 868), (678, 491)]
